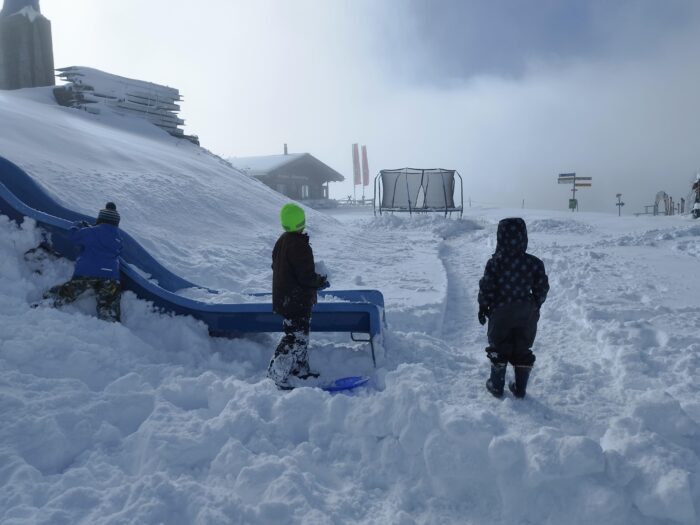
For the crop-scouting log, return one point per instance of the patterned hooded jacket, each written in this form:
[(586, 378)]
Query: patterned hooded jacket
[(511, 275)]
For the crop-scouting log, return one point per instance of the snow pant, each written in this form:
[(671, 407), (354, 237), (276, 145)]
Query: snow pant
[(511, 334), (108, 293), (292, 353)]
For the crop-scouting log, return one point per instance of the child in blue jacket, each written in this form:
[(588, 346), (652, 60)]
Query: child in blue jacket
[(97, 266)]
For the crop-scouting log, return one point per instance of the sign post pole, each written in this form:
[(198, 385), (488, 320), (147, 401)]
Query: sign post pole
[(619, 204)]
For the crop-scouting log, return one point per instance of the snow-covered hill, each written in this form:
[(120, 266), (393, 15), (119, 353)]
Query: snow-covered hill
[(152, 421)]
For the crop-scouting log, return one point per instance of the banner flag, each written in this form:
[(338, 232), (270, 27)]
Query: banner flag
[(356, 165), (365, 167)]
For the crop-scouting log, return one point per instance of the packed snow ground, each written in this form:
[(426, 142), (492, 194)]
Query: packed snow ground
[(152, 421)]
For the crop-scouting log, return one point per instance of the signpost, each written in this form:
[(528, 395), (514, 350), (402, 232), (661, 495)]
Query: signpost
[(576, 183), (619, 204)]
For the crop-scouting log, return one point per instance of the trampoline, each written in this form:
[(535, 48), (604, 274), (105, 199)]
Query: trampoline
[(415, 190)]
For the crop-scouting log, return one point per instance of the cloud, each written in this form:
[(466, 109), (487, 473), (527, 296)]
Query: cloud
[(454, 39), (632, 127)]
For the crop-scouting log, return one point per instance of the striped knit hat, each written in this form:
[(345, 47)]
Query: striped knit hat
[(109, 215)]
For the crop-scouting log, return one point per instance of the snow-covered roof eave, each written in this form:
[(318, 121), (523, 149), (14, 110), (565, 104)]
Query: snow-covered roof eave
[(29, 12), (264, 164)]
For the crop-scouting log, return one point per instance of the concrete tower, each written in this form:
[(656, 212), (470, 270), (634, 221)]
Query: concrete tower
[(26, 48)]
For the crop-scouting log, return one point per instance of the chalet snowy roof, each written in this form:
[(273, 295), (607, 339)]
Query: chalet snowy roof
[(264, 165)]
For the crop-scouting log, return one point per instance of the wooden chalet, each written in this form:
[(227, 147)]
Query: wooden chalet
[(299, 176)]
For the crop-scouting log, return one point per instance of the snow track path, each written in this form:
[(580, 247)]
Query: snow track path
[(464, 258)]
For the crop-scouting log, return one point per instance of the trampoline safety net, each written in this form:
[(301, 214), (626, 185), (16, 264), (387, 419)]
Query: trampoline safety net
[(417, 190)]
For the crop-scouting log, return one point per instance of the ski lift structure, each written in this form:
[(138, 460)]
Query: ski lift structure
[(662, 198), (418, 190), (664, 204)]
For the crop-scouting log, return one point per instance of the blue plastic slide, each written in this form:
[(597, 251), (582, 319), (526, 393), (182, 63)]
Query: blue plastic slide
[(356, 311)]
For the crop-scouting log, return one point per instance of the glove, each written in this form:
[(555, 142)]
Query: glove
[(483, 314), (323, 282), (82, 224)]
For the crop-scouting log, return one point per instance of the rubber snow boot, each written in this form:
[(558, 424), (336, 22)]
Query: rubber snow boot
[(304, 372), (497, 381), (519, 386)]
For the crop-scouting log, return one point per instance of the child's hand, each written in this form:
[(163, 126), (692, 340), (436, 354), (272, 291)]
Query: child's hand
[(483, 314), (323, 283)]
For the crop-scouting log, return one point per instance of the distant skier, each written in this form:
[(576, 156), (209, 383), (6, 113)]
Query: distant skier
[(97, 266), (294, 286), (511, 292)]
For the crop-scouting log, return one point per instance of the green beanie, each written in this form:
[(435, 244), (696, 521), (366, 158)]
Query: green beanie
[(292, 217)]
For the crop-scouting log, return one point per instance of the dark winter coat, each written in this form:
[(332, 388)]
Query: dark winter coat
[(511, 275), (101, 247), (294, 277)]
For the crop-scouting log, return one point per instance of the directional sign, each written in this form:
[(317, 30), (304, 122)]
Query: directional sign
[(576, 184)]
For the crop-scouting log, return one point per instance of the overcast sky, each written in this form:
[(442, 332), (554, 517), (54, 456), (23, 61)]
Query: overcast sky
[(509, 93)]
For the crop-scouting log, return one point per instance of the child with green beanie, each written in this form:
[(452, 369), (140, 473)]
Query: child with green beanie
[(294, 292)]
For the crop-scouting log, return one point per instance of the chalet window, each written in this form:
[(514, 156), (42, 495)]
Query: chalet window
[(304, 191)]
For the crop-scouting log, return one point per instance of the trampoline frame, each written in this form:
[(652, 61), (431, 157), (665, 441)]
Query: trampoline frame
[(378, 186)]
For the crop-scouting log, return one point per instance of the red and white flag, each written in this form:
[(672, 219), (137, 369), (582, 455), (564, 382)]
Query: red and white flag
[(365, 167), (356, 165)]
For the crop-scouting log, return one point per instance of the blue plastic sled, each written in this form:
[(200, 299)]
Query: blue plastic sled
[(345, 383)]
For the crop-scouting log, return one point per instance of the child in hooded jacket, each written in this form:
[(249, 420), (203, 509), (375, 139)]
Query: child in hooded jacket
[(294, 291), (97, 266), (511, 293)]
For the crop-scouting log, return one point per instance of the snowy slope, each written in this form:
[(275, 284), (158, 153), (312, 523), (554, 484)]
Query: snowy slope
[(154, 422), (200, 217)]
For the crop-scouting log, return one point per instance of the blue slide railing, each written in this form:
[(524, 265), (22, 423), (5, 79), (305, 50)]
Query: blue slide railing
[(356, 311)]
